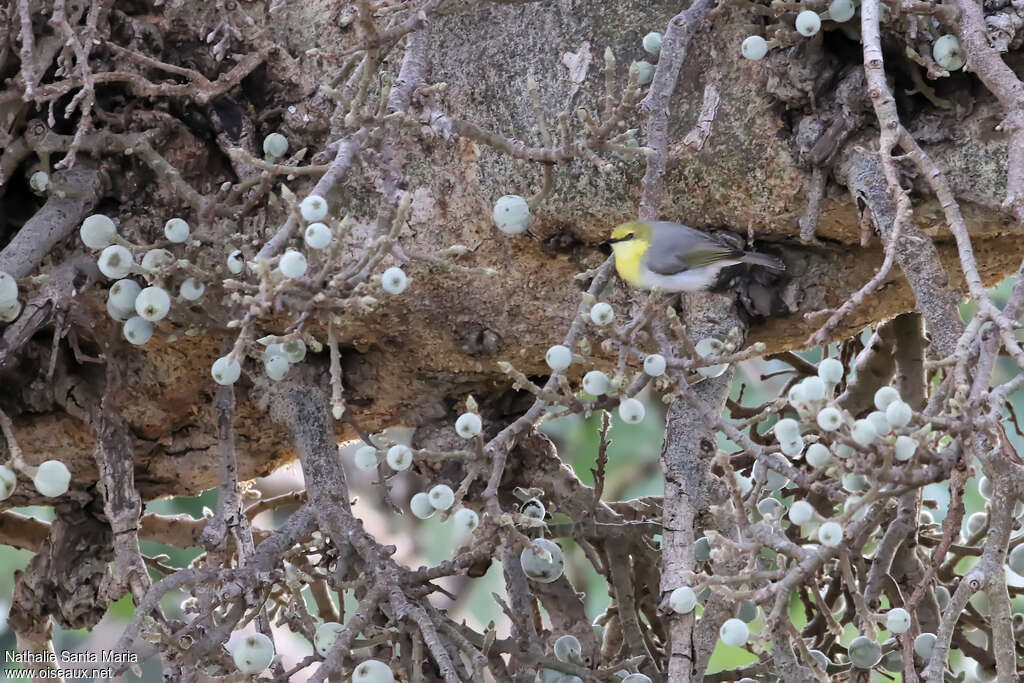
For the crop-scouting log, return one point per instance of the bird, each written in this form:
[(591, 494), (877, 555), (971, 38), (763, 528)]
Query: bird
[(675, 258)]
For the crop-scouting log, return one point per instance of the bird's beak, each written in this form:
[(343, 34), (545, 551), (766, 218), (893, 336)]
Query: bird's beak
[(612, 240)]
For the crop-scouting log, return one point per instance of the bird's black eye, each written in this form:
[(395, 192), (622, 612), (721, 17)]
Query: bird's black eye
[(629, 236)]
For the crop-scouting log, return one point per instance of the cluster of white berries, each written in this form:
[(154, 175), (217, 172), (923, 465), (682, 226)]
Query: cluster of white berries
[(596, 383), (946, 50), (643, 69), (440, 498), (813, 402), (426, 504), (127, 301), (51, 479), (277, 360), (255, 653)]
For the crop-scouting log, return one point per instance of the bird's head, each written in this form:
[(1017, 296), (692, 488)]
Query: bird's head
[(634, 230), (630, 241)]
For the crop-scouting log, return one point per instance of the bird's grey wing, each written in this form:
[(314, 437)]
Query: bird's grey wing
[(675, 248)]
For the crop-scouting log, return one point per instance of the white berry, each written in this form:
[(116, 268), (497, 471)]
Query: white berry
[(191, 289), (863, 433), (468, 425), (235, 262), (313, 208), (885, 396), (568, 648), (801, 512), (644, 72), (293, 264), (818, 455), (808, 23), (976, 522), (254, 654), (878, 421), (899, 414), (558, 357), (8, 289), (10, 312), (294, 351), (420, 506), (854, 483), (542, 561), (706, 347), (176, 230), (52, 478), (373, 671), (947, 53), (225, 371), (511, 214), (596, 383), (394, 280), (601, 313), (534, 509), (276, 367), (841, 10), (39, 182), (652, 43), (924, 644), (326, 635), (153, 303), (769, 506), (897, 620), (115, 261), (366, 458), (734, 632), (441, 496), (830, 370), (399, 457), (318, 235), (631, 411), (123, 293), (813, 389), (754, 48), (829, 419), (864, 653), (792, 447), (654, 365), (830, 534), (985, 488), (8, 482), (97, 231), (155, 259), (787, 429), (275, 145), (1015, 560), (682, 600), (466, 520), (138, 330)]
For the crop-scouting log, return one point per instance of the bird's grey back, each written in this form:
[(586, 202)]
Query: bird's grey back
[(673, 244)]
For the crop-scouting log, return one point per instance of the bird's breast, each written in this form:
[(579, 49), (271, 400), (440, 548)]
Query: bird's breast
[(629, 259)]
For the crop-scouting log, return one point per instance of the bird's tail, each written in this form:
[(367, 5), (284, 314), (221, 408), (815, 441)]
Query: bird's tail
[(763, 260)]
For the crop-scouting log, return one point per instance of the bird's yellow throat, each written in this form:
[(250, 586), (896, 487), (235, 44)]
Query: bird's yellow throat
[(628, 255)]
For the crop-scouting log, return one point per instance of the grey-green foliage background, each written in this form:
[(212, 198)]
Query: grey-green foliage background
[(633, 471)]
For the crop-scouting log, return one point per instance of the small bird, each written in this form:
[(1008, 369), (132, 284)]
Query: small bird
[(674, 258)]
